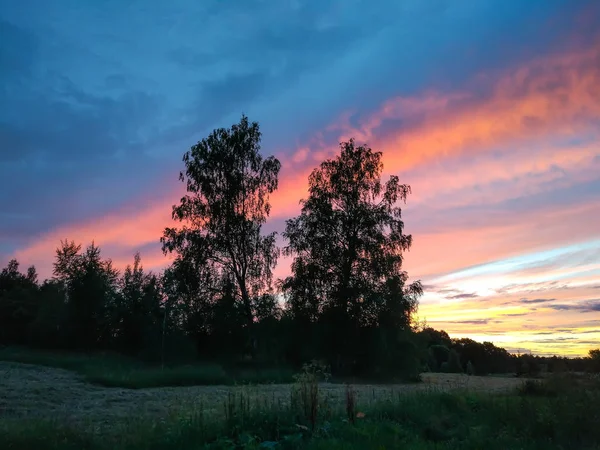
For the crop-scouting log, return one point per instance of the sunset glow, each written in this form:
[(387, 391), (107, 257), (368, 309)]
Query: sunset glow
[(496, 128)]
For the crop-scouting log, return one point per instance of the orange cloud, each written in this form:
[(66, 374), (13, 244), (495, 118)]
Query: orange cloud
[(445, 249), (557, 95)]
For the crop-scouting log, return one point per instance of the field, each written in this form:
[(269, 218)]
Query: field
[(47, 407), (44, 392)]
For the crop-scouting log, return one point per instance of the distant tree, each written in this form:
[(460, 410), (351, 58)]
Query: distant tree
[(48, 328), (438, 355), (347, 245), (594, 356), (528, 365), (90, 284), (431, 337), (228, 186), (19, 303), (137, 317), (454, 365), (486, 357)]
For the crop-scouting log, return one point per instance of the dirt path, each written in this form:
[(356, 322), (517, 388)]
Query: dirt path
[(28, 391)]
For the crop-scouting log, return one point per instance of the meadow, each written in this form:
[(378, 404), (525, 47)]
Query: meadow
[(44, 407)]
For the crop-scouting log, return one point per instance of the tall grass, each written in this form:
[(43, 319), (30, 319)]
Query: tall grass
[(111, 370), (563, 414)]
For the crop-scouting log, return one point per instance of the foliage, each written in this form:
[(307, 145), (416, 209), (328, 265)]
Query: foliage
[(89, 283), (347, 246), (454, 364), (595, 360), (213, 314), (228, 184), (113, 370), (18, 302), (470, 369)]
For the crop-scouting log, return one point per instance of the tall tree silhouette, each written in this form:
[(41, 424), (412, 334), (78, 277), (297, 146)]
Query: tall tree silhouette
[(228, 186), (347, 245)]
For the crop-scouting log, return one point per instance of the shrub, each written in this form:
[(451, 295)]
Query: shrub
[(454, 365), (470, 368)]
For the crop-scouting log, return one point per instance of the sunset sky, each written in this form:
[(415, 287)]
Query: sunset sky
[(490, 110)]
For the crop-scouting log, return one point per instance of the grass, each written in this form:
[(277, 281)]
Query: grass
[(44, 407), (118, 371), (562, 414)]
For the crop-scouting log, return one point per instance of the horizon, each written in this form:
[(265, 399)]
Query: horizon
[(490, 111)]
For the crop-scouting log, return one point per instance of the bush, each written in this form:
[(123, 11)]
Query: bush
[(470, 368), (454, 365)]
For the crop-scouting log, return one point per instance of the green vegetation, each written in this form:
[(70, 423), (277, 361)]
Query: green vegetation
[(113, 370), (559, 413)]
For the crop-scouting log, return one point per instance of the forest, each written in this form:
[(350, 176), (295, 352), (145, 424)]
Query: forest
[(348, 303)]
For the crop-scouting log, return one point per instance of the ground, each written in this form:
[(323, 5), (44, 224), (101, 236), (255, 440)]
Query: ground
[(42, 392)]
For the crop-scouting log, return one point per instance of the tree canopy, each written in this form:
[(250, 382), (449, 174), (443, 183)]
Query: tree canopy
[(348, 244), (228, 186)]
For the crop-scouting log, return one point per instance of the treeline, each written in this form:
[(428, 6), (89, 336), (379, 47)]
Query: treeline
[(444, 354), (347, 303)]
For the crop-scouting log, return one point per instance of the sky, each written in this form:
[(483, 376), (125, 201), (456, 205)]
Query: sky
[(489, 109)]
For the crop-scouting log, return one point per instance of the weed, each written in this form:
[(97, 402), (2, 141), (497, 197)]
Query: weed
[(350, 404)]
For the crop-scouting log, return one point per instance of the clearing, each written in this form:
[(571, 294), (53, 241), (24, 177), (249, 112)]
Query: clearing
[(37, 392)]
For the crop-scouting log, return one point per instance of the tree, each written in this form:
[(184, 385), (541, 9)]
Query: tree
[(438, 355), (431, 336), (227, 202), (18, 302), (453, 364), (47, 330), (137, 323), (347, 245), (594, 356), (90, 283)]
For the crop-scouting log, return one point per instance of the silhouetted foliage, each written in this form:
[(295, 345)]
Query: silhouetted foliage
[(347, 303), (228, 184), (470, 369), (347, 245), (430, 336), (486, 357), (594, 357), (19, 302), (438, 355), (454, 364), (138, 315), (91, 289)]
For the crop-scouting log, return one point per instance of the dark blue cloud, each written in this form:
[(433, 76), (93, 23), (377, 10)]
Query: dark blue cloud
[(463, 296), (585, 307), (528, 301)]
